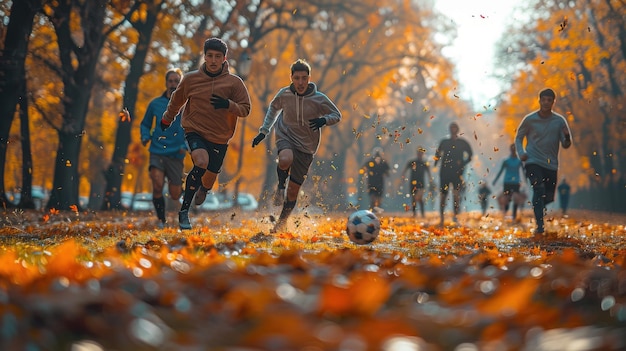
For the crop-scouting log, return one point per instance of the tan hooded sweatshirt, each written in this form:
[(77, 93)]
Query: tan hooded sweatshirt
[(193, 95)]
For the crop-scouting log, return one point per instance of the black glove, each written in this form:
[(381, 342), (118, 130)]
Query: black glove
[(219, 102), (317, 123), (164, 125), (258, 139)]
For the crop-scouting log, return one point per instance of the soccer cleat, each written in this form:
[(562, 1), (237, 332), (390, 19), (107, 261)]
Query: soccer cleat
[(200, 195), (183, 220), (279, 196)]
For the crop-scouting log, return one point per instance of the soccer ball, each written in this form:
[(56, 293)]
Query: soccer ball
[(363, 227)]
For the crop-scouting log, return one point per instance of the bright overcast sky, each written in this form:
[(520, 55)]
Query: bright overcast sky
[(480, 23)]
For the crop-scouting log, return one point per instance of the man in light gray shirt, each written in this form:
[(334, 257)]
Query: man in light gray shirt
[(544, 131)]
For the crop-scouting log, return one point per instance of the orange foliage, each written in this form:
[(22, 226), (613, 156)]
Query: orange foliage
[(363, 296), (512, 297), (413, 283)]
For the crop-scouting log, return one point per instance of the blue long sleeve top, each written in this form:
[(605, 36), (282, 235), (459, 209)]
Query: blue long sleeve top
[(169, 142), (511, 168)]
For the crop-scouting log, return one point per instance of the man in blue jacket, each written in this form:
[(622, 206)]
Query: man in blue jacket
[(167, 147)]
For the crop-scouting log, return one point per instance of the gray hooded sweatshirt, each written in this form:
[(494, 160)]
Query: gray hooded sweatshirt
[(290, 113)]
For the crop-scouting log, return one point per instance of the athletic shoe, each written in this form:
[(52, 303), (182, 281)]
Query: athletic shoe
[(183, 220), (200, 195), (161, 224)]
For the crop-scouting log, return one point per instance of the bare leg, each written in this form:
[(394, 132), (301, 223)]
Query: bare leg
[(456, 196), (442, 206)]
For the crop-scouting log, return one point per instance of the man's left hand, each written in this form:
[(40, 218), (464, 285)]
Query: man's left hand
[(219, 102), (317, 123)]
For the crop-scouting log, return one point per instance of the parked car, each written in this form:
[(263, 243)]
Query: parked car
[(247, 202), (39, 195), (219, 202), (211, 203), (142, 202), (83, 201), (126, 199)]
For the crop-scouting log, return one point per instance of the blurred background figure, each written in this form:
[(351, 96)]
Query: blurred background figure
[(564, 189), (544, 132), (454, 153), (513, 169), (376, 169), (483, 196), (417, 181)]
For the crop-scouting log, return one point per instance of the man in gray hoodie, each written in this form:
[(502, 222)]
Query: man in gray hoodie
[(298, 112)]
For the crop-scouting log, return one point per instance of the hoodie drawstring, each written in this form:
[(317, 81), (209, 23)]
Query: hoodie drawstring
[(300, 107)]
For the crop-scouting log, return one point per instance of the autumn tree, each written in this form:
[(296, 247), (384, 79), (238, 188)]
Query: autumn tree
[(13, 97), (578, 49), (78, 53), (381, 65), (356, 53), (143, 21)]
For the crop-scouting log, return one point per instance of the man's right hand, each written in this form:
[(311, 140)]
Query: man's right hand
[(164, 125), (258, 139)]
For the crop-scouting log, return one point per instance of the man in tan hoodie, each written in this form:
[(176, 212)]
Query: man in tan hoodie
[(212, 99), (297, 112)]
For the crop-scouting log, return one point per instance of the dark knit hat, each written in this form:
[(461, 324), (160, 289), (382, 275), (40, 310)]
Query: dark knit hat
[(216, 44)]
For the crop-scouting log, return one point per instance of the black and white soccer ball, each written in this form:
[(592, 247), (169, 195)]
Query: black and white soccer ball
[(363, 227)]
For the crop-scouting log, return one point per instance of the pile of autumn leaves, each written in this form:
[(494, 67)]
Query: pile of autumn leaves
[(90, 282)]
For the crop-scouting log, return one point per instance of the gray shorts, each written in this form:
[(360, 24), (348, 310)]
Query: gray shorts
[(301, 162), (172, 167)]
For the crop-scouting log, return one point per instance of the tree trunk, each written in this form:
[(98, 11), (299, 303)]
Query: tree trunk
[(64, 192), (26, 200), (78, 65), (114, 174), (12, 60)]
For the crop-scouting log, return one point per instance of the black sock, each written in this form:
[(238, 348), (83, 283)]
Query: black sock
[(159, 207), (194, 180), (282, 177)]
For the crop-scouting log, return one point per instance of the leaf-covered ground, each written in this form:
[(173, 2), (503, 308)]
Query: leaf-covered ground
[(112, 281)]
